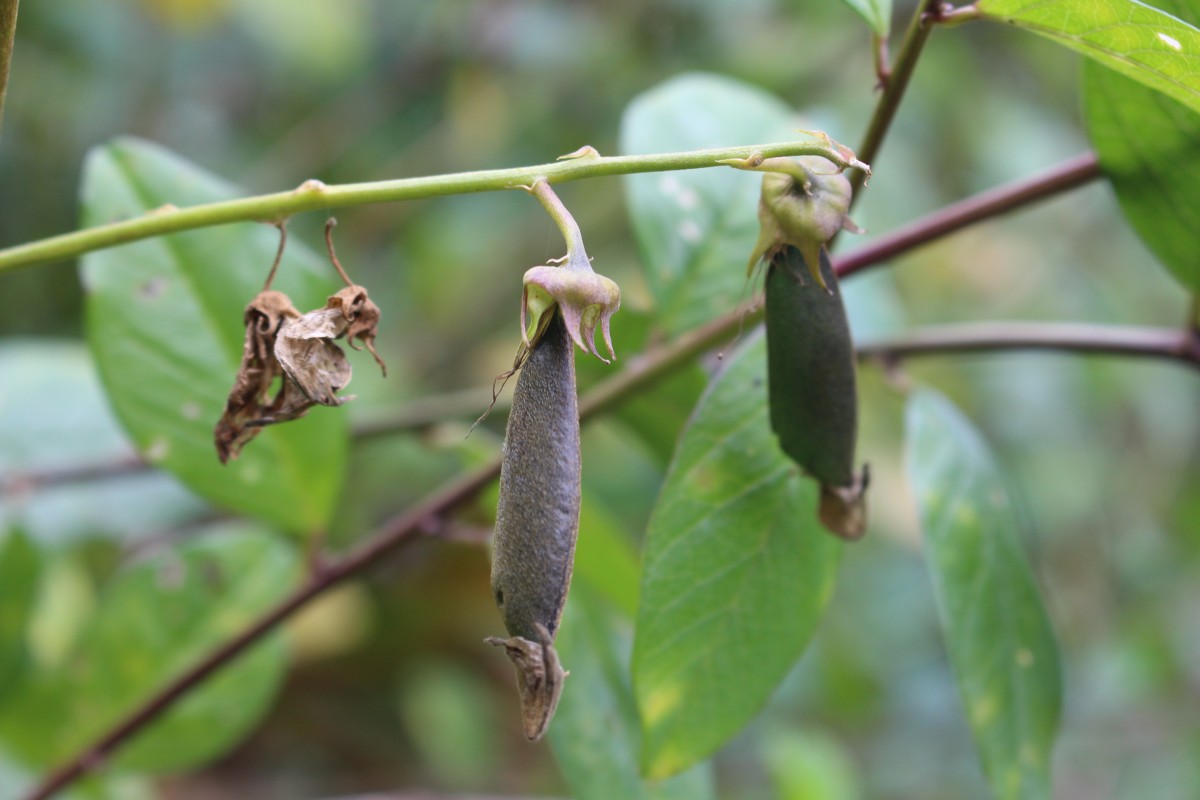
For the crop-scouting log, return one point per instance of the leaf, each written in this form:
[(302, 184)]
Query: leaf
[(164, 321), (55, 418), (20, 563), (605, 557), (154, 621), (696, 228), (877, 13), (595, 734), (736, 573), (998, 636), (1149, 147), (1147, 44), (809, 765)]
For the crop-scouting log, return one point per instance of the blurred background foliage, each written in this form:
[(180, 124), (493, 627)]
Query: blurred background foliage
[(389, 686)]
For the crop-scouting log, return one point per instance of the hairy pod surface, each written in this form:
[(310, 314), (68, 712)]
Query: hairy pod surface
[(537, 518), (811, 385)]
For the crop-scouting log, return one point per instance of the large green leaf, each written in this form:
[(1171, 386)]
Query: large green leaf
[(697, 228), (877, 13), (1147, 44), (164, 320), (1149, 147), (53, 417), (595, 732), (736, 573), (20, 563), (154, 621), (998, 636)]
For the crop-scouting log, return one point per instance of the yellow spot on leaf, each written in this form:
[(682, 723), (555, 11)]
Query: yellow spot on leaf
[(983, 711)]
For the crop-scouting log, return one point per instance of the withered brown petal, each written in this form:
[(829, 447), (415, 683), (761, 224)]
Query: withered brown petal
[(259, 367), (306, 352), (363, 315)]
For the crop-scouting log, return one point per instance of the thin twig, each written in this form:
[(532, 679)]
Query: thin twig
[(330, 224), (893, 90), (282, 226), (1060, 178), (8, 34), (984, 337)]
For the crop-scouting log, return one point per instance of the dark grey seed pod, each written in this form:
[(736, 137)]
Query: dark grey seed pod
[(812, 389), (537, 518)]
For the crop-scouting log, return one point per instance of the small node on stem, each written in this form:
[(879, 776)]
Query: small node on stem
[(587, 151)]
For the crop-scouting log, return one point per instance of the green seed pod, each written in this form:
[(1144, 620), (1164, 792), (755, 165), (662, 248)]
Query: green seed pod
[(811, 383), (537, 518)]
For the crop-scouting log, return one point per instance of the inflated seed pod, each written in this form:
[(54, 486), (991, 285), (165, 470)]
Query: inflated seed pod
[(537, 518), (811, 384)]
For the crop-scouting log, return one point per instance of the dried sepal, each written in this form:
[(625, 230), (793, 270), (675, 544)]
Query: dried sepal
[(247, 404), (540, 679)]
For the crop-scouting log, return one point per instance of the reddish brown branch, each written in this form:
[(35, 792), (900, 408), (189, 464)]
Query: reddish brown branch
[(983, 337), (992, 203)]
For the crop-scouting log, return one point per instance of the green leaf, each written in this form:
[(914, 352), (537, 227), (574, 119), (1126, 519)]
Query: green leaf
[(164, 320), (605, 557), (155, 621), (1147, 44), (998, 636), (20, 564), (877, 13), (736, 574), (696, 228), (595, 732), (809, 765), (1149, 147), (55, 418)]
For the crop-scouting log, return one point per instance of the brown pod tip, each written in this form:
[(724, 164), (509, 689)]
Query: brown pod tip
[(540, 678), (843, 509)]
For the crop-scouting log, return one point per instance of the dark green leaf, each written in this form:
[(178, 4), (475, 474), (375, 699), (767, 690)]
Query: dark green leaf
[(154, 621), (595, 732), (736, 573), (697, 228), (998, 636), (20, 563), (1149, 147), (164, 320), (877, 13), (1147, 44)]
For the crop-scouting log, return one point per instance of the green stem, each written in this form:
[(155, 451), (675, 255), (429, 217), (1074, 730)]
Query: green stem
[(563, 219), (8, 32), (894, 87), (313, 195)]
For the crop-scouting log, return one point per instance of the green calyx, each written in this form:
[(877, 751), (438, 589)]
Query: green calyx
[(586, 299), (804, 203)]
